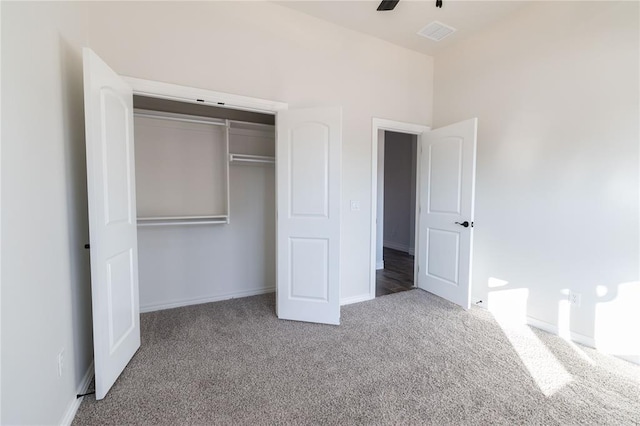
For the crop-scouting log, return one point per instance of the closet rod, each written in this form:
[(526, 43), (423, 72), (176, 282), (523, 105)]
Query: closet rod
[(178, 222), (151, 218), (252, 124), (246, 158), (186, 120)]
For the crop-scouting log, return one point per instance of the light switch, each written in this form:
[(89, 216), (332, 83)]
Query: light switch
[(355, 206)]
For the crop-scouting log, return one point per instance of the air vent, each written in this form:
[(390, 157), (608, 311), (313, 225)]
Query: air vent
[(436, 31)]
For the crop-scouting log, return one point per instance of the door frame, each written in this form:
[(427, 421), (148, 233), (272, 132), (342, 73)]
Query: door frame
[(193, 95), (161, 90), (381, 124)]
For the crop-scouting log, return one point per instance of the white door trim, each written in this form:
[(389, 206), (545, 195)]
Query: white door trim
[(400, 127), (158, 89)]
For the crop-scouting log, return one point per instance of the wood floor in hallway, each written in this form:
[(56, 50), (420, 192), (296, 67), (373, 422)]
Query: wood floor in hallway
[(397, 274)]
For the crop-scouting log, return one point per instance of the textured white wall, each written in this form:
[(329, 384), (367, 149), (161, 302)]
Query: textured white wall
[(46, 302), (268, 51), (555, 88)]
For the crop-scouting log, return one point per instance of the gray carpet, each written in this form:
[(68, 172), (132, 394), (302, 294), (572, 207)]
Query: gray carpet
[(406, 358)]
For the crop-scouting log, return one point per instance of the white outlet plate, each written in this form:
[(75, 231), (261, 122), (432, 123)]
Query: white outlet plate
[(355, 206), (575, 299)]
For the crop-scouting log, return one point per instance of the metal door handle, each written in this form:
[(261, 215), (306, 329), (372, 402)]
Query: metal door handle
[(465, 224)]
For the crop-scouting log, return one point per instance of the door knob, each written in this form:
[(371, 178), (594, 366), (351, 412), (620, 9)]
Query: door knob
[(465, 224)]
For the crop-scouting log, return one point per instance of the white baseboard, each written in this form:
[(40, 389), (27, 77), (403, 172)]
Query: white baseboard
[(553, 329), (399, 247), (630, 358), (187, 302), (73, 406), (573, 336), (355, 299), (578, 338), (380, 265)]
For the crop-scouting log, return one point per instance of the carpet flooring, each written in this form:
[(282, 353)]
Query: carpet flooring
[(406, 358)]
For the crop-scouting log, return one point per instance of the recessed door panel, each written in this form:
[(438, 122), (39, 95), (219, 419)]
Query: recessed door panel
[(309, 269), (445, 168), (309, 172), (443, 255), (116, 146), (120, 298)]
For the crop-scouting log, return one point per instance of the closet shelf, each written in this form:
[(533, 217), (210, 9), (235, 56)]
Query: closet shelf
[(246, 158), (157, 115), (182, 220)]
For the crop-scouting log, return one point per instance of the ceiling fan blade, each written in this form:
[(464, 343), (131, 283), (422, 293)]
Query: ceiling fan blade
[(388, 4)]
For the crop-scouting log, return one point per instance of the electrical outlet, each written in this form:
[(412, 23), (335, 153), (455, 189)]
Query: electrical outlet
[(355, 206), (575, 299), (60, 362)]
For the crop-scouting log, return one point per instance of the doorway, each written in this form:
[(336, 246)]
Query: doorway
[(396, 206), (380, 129), (445, 186)]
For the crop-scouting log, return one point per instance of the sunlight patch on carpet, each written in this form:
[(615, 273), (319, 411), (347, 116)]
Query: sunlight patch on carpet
[(564, 329), (509, 307)]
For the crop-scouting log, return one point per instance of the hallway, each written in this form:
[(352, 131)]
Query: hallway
[(397, 274)]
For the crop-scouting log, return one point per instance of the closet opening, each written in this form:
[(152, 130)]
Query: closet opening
[(205, 194), (396, 212)]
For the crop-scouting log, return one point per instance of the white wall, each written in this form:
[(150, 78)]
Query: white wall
[(399, 187), (46, 303), (264, 50), (555, 88)]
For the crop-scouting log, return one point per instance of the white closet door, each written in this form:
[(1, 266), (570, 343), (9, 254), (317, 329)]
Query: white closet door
[(447, 182), (112, 220), (308, 150)]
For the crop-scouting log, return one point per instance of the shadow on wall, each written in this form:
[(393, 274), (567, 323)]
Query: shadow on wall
[(72, 111), (615, 312)]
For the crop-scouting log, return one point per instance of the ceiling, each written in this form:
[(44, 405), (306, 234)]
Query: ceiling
[(400, 25)]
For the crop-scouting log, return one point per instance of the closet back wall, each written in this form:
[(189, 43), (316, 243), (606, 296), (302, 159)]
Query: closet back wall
[(186, 264)]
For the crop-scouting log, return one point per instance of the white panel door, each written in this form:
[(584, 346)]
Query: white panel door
[(447, 183), (308, 151), (112, 220)]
